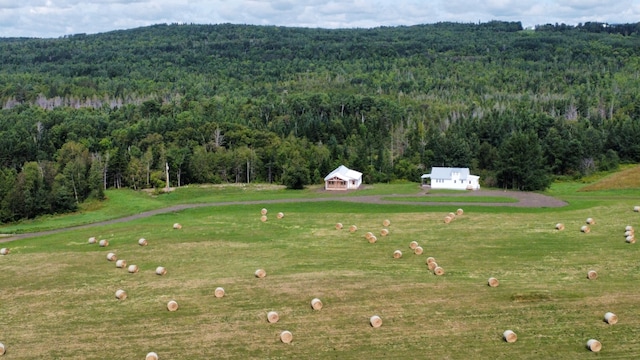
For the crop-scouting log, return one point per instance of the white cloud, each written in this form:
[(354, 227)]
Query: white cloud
[(590, 4), (54, 18)]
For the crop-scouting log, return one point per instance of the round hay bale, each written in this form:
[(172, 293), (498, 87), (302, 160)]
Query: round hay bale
[(2, 349), (628, 228), (112, 257), (585, 229), (631, 239), (452, 215), (172, 305), (121, 294), (286, 336), (459, 212), (413, 245), (493, 282), (142, 242), (384, 232), (594, 345), (590, 221), (280, 215), (219, 292), (386, 222), (509, 336), (375, 321), (121, 263), (353, 228), (560, 226), (432, 265), (430, 260), (132, 269), (636, 208), (160, 270), (447, 219), (4, 251), (373, 239), (103, 243), (263, 218), (316, 304), (368, 235), (397, 254), (273, 317), (629, 232), (151, 356), (263, 211), (610, 318), (260, 273), (438, 271), (338, 226), (592, 275), (92, 240), (177, 226), (418, 250)]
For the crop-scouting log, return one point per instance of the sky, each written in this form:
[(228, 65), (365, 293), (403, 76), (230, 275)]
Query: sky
[(56, 18)]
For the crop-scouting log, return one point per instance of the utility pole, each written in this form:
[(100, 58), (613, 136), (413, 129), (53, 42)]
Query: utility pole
[(167, 171)]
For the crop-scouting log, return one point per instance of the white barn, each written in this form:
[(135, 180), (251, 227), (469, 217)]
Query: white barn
[(343, 178), (452, 179)]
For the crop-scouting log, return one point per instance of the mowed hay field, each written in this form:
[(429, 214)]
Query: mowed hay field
[(58, 292)]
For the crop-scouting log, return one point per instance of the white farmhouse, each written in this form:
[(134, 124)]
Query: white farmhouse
[(343, 178), (452, 179)]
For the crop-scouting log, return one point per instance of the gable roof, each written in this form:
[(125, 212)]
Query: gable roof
[(344, 173), (445, 173)]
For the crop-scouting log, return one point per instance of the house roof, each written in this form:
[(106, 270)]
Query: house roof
[(344, 173), (445, 173)]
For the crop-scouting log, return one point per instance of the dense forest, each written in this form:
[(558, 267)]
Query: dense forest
[(240, 103)]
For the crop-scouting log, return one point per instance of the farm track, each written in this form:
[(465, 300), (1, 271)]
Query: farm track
[(524, 199)]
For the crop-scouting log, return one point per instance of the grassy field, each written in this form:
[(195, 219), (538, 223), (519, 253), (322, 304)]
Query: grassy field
[(627, 178), (124, 202), (58, 292), (448, 199)]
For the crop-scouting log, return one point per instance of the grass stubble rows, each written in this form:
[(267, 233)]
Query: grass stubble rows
[(58, 292)]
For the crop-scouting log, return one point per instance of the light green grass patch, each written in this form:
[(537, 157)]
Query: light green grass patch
[(450, 199), (121, 203)]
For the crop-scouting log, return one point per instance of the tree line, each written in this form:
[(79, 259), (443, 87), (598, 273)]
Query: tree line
[(240, 103)]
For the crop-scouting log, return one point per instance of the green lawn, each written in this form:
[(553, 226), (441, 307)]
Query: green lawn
[(121, 203), (453, 199), (58, 299)]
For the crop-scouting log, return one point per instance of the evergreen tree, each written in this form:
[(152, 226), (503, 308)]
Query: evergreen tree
[(521, 163)]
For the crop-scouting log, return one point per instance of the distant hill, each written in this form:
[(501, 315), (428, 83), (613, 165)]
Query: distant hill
[(127, 66)]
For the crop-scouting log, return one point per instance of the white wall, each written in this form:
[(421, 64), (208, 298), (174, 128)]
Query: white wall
[(454, 184)]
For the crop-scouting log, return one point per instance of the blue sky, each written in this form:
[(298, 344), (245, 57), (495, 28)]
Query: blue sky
[(55, 18)]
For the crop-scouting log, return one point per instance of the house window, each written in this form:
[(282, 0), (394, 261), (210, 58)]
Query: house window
[(454, 181)]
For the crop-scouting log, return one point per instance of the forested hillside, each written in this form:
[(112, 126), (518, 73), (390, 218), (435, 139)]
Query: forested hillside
[(239, 103)]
